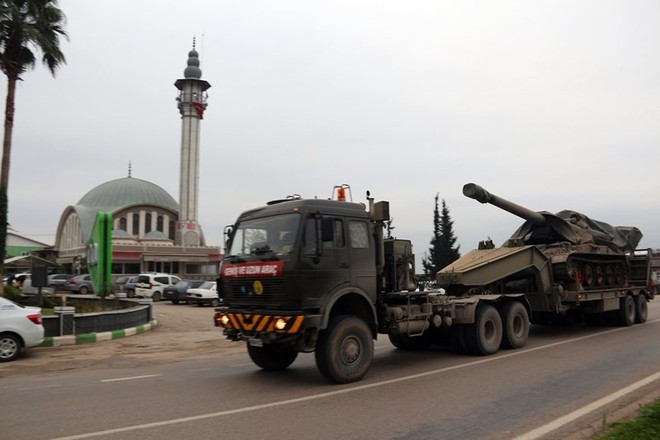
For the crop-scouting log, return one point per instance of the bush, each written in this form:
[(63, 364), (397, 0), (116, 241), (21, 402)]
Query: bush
[(12, 293)]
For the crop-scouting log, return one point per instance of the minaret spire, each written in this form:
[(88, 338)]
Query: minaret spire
[(191, 103)]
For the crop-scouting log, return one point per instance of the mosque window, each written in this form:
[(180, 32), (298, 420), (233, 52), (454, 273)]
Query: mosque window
[(159, 224), (147, 223), (172, 229), (136, 224), (122, 223)]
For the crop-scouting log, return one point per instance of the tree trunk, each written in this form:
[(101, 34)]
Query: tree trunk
[(4, 170)]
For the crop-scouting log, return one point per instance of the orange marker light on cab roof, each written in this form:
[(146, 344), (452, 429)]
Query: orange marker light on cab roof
[(341, 194)]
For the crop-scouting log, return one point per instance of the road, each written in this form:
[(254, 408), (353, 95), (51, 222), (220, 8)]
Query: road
[(182, 380)]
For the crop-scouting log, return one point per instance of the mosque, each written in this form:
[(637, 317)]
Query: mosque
[(152, 232)]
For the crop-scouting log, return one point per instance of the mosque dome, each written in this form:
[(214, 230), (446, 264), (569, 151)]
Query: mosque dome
[(127, 191)]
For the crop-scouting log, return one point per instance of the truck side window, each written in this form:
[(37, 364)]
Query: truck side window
[(359, 234), (310, 237), (338, 240)]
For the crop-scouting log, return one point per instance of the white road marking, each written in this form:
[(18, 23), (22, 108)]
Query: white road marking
[(574, 415), (339, 392), (118, 379)]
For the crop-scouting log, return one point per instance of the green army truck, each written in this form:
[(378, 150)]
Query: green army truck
[(314, 275)]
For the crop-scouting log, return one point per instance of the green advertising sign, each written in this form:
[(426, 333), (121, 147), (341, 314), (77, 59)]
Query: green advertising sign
[(99, 254)]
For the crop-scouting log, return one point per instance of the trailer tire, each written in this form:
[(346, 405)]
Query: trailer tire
[(272, 357), (344, 350), (515, 323), (484, 337), (641, 309), (411, 343), (626, 313)]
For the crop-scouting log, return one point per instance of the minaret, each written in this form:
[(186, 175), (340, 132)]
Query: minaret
[(192, 103)]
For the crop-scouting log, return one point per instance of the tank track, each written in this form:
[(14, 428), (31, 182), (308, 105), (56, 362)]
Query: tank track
[(593, 272)]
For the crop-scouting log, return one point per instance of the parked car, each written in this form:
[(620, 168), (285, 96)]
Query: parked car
[(59, 280), (177, 292), (206, 294), (23, 281), (129, 286), (20, 327), (119, 282), (151, 285), (80, 284)]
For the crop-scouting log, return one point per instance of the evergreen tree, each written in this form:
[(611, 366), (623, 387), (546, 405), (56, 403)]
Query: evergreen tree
[(443, 250)]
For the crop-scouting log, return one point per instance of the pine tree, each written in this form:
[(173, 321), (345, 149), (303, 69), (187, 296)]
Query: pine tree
[(443, 250)]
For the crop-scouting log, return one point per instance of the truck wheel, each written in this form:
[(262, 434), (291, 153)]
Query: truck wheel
[(411, 343), (272, 357), (344, 350), (484, 337), (641, 309), (626, 313), (515, 322)]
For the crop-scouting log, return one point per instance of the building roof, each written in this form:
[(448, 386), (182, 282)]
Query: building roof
[(118, 193)]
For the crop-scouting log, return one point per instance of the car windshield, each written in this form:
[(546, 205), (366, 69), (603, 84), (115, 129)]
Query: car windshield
[(273, 235), (182, 284), (208, 285)]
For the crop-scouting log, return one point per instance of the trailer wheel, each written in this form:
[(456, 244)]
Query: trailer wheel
[(411, 343), (272, 357), (344, 350), (484, 337), (515, 323), (626, 312), (641, 309)]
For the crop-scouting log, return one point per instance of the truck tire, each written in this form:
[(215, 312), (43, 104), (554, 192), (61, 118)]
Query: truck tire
[(272, 357), (515, 323), (484, 337), (626, 313), (344, 350), (411, 343), (641, 309)]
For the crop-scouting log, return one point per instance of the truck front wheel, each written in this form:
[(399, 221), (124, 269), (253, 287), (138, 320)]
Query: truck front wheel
[(272, 357), (344, 350)]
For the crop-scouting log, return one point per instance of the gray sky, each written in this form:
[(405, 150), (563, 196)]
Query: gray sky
[(551, 104)]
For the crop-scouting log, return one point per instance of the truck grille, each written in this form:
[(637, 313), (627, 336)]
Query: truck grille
[(258, 292)]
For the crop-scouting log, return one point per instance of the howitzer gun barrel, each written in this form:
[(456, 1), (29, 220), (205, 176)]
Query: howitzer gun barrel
[(476, 192)]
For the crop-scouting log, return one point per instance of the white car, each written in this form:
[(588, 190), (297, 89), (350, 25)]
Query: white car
[(152, 285), (20, 326), (204, 294)]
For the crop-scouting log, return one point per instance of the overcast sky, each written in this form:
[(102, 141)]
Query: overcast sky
[(551, 104)]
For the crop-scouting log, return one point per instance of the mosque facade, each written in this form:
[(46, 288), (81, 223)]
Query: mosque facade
[(152, 232)]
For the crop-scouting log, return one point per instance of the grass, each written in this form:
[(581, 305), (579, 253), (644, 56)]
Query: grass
[(645, 427)]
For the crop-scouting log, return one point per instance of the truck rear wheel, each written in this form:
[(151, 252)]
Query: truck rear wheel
[(344, 350), (626, 313), (272, 357), (484, 337), (411, 343), (641, 309), (515, 322)]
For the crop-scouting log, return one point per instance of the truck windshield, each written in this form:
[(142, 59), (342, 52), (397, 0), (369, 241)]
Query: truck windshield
[(275, 235)]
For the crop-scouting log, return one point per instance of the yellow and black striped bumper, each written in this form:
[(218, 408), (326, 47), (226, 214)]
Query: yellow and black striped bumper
[(250, 323)]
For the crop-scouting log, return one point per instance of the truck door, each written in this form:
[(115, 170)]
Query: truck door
[(325, 264)]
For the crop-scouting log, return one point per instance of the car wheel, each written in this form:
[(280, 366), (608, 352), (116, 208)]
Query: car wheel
[(156, 297), (10, 347), (175, 301), (215, 302), (130, 293), (83, 290)]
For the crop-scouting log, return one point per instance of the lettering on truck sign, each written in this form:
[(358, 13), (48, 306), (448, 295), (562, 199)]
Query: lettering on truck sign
[(256, 269)]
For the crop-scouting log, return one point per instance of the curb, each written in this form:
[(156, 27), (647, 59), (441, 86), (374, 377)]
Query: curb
[(57, 341)]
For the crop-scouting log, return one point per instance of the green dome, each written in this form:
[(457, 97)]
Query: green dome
[(127, 191)]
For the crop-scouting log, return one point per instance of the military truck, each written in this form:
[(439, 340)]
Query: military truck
[(315, 275)]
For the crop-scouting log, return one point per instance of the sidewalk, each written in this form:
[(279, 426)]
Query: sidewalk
[(56, 341)]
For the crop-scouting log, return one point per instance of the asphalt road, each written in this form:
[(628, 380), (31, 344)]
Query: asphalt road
[(182, 380)]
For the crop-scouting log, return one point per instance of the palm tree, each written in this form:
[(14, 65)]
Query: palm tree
[(24, 25)]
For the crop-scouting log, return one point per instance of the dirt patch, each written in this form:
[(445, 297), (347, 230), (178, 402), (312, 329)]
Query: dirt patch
[(183, 332)]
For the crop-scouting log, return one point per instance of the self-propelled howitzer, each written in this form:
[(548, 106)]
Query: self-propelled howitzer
[(554, 259)]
